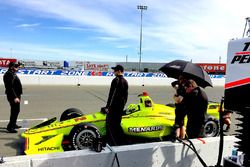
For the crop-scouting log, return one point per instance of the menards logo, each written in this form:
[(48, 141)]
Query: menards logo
[(145, 129), (243, 56)]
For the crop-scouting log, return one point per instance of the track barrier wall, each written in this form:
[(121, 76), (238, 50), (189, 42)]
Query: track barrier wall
[(39, 77), (155, 154)]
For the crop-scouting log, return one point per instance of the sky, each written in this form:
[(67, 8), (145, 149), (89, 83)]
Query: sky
[(109, 30)]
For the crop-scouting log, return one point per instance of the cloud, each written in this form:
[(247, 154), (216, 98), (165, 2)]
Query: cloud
[(28, 25), (70, 28), (76, 12), (46, 52), (197, 30)]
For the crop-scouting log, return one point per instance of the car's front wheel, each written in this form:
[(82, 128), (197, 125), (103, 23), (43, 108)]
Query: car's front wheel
[(83, 137)]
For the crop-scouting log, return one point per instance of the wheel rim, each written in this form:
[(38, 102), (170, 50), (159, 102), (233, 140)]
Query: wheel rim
[(85, 139), (211, 129)]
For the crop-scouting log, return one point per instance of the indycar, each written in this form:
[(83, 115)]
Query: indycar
[(141, 122)]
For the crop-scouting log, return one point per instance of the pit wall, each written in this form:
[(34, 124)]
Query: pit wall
[(156, 154), (100, 80)]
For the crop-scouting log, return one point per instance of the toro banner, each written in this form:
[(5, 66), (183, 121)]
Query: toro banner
[(4, 62)]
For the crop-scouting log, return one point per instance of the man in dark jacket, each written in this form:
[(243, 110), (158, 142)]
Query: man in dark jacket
[(196, 102), (13, 91), (118, 95)]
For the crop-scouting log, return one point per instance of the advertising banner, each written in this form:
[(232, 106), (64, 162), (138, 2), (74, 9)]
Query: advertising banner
[(96, 66), (213, 68), (47, 72), (90, 73), (4, 62), (126, 74)]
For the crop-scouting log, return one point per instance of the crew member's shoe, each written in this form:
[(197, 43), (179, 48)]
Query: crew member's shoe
[(17, 127), (11, 130)]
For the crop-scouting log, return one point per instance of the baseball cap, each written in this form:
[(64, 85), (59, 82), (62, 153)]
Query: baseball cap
[(118, 67), (12, 64)]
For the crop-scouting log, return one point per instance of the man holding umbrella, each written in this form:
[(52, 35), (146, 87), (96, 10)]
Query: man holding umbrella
[(196, 102), (180, 109), (195, 99)]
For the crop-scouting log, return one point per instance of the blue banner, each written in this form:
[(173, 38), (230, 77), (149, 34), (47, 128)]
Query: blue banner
[(47, 72), (217, 76), (91, 73), (127, 74)]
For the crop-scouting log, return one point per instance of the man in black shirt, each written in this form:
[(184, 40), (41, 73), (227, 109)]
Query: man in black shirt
[(196, 102), (118, 95), (13, 91)]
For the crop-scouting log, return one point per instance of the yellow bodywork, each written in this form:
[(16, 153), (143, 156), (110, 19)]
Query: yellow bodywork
[(145, 119), (47, 144)]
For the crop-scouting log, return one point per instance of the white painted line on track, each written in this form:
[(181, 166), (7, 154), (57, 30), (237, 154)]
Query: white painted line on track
[(34, 119)]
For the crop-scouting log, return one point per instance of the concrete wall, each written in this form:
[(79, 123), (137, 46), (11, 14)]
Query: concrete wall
[(156, 154), (97, 80)]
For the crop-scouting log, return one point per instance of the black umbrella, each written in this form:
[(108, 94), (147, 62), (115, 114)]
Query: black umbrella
[(188, 69)]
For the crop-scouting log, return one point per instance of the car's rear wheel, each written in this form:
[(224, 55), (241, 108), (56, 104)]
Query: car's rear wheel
[(71, 113), (212, 127), (83, 138)]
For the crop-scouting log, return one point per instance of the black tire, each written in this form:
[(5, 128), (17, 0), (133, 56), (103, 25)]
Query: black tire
[(71, 113), (211, 127), (83, 137)]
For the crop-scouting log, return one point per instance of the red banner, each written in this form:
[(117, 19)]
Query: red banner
[(213, 68), (4, 62), (96, 67)]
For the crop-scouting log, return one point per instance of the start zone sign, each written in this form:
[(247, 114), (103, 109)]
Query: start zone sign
[(90, 73), (47, 72)]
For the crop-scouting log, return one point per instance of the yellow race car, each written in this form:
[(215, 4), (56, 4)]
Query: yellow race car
[(141, 122)]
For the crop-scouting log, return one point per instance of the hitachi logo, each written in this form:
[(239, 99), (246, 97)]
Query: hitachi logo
[(145, 129), (48, 148)]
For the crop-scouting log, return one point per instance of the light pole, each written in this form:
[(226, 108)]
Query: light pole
[(140, 7)]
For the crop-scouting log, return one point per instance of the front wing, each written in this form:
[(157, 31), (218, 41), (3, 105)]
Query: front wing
[(37, 144)]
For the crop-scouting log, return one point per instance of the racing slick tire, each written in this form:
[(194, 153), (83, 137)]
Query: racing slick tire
[(211, 127), (71, 113), (84, 136)]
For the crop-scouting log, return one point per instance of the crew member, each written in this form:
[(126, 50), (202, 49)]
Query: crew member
[(196, 103), (13, 91), (180, 110), (117, 99)]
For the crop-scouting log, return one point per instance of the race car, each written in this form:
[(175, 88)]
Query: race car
[(141, 122)]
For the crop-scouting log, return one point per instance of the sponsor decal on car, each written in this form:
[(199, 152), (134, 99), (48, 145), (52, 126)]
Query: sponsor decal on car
[(145, 129), (48, 148), (80, 119)]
